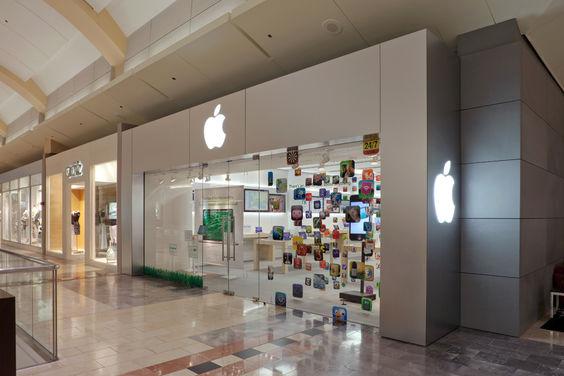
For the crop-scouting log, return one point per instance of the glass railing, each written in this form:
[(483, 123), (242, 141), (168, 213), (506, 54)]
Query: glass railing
[(33, 282)]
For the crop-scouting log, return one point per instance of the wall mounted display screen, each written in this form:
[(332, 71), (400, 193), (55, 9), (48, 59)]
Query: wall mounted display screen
[(256, 200), (215, 222)]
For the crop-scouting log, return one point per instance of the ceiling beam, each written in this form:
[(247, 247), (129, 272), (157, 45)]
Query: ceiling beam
[(3, 129), (99, 28), (27, 89)]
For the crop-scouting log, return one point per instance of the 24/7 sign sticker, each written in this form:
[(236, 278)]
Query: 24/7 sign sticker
[(371, 144)]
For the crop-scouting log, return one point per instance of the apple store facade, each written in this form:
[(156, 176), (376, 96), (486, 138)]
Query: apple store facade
[(332, 188)]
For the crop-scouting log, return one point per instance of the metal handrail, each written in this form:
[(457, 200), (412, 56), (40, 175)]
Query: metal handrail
[(45, 264)]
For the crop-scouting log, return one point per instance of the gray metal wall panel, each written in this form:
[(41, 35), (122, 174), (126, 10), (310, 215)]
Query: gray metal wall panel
[(535, 137), (490, 246), (490, 303), (491, 133), (534, 242), (488, 37), (534, 82), (443, 144), (491, 190), (491, 76)]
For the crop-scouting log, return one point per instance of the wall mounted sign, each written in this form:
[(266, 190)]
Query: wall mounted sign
[(75, 170), (292, 157), (213, 129), (371, 144), (442, 194)]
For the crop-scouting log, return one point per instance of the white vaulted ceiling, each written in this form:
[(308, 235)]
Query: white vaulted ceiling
[(184, 52)]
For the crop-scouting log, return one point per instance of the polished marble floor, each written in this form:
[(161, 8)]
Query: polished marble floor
[(119, 325)]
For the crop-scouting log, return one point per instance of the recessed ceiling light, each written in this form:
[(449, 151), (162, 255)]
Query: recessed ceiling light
[(332, 26), (270, 35), (120, 106), (173, 78)]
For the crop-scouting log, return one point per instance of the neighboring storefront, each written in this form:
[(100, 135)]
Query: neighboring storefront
[(81, 203), (21, 207), (269, 193)]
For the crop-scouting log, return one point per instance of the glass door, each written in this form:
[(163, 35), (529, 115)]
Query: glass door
[(228, 201)]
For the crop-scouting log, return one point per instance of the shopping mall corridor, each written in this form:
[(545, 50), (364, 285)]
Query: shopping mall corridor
[(113, 325)]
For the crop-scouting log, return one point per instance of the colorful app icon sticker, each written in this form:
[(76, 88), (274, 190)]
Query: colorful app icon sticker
[(301, 250), (369, 290), (367, 174), (308, 196), (366, 304), (319, 281), (323, 192), (280, 299), (378, 286), (292, 155), (367, 226), (353, 179), (297, 212), (307, 281), (366, 189), (308, 266), (308, 214), (335, 179), (368, 248), (316, 222), (378, 178), (297, 290), (317, 179), (335, 220), (335, 270), (336, 234), (322, 227), (270, 177), (287, 258), (296, 240), (323, 264), (336, 198), (326, 179), (286, 236), (309, 229), (347, 169), (281, 185), (354, 188), (369, 273), (346, 189), (336, 253), (340, 315), (298, 171), (308, 182), (299, 193), (352, 214), (277, 232), (356, 269), (317, 254), (297, 263), (322, 215), (317, 204), (303, 235), (270, 273), (325, 247)]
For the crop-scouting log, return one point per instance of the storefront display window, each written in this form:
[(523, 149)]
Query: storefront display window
[(105, 221), (24, 216), (307, 233), (36, 224), (6, 211)]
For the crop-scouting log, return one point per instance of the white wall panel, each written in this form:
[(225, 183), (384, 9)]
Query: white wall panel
[(337, 99)]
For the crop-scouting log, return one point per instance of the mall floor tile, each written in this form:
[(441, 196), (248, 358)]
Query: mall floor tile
[(119, 325)]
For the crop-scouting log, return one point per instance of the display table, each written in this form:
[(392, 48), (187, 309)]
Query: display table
[(557, 295)]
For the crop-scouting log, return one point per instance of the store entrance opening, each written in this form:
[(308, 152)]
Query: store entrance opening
[(305, 235), (77, 218)]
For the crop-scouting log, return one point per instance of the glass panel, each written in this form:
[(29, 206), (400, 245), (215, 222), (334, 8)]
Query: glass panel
[(170, 241), (5, 186), (36, 179), (14, 216), (6, 215), (42, 309), (55, 213), (36, 225), (25, 216), (105, 190), (24, 182), (14, 184)]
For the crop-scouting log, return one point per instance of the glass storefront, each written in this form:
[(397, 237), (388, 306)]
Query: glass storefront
[(54, 213), (307, 234), (105, 221), (21, 211)]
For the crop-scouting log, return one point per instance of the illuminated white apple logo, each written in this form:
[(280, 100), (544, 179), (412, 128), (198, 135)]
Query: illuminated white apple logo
[(444, 204), (213, 129)]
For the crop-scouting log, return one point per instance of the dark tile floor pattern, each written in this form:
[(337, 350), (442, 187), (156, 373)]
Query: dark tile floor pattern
[(357, 350)]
